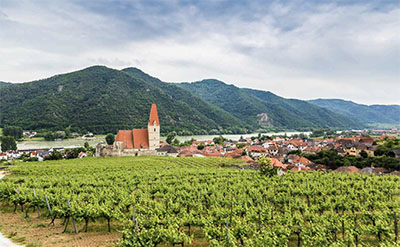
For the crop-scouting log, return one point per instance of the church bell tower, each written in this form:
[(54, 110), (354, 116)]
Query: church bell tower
[(153, 128)]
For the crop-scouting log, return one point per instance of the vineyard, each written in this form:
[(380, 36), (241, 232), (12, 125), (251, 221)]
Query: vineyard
[(161, 201)]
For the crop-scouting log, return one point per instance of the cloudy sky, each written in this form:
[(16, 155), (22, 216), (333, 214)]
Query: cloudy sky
[(296, 49)]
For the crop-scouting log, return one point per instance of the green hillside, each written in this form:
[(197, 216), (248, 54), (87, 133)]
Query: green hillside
[(373, 114), (4, 84), (98, 99), (101, 100), (265, 109), (221, 117)]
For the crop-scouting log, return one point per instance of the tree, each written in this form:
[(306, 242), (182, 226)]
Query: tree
[(241, 145), (55, 155), (170, 137), (8, 143), (13, 131), (201, 146), (110, 138), (176, 142), (363, 154), (219, 140), (266, 168), (67, 132), (86, 145)]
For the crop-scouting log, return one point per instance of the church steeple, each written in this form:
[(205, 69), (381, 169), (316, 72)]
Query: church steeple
[(153, 119), (153, 128)]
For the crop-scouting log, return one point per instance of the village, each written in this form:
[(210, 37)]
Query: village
[(284, 152)]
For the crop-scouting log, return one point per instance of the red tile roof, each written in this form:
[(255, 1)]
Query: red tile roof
[(136, 138), (277, 163), (154, 115), (140, 138), (126, 137)]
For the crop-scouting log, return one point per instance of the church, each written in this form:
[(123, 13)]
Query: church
[(136, 141)]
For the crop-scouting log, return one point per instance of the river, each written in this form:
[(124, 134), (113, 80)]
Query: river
[(78, 142)]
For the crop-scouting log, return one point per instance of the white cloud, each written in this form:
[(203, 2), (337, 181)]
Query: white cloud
[(293, 49)]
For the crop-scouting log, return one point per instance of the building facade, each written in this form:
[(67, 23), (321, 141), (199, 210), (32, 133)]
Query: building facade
[(136, 141)]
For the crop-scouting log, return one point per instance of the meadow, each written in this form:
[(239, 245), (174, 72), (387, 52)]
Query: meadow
[(162, 201)]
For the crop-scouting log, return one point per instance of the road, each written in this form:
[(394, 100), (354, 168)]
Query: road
[(5, 242)]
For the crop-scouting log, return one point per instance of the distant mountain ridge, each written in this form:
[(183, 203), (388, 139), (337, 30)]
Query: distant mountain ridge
[(371, 114), (261, 108), (103, 100), (4, 84)]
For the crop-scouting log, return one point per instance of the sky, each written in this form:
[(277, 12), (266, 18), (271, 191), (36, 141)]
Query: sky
[(296, 49)]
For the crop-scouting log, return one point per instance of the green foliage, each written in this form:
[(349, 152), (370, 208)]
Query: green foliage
[(389, 114), (201, 146), (386, 147), (170, 137), (331, 159), (297, 151), (110, 138), (51, 136), (186, 201), (55, 155), (241, 145), (103, 100), (175, 142), (13, 131), (248, 104), (266, 169), (219, 140), (8, 143)]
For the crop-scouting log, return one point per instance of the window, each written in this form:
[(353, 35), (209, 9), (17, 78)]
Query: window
[(154, 129)]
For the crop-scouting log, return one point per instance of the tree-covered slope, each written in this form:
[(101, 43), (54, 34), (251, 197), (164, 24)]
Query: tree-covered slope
[(369, 114), (221, 117), (97, 99), (265, 109), (4, 84), (317, 115)]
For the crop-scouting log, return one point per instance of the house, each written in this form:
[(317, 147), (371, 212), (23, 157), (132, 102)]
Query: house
[(277, 163), (167, 150), (348, 169), (3, 156), (299, 160), (256, 151), (366, 140), (82, 155), (137, 141), (395, 153)]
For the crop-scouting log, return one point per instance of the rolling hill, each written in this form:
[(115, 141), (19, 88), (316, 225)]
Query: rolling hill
[(102, 100), (370, 114), (4, 84), (265, 109)]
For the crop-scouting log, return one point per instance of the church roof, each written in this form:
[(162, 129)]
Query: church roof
[(154, 115), (140, 138), (125, 136)]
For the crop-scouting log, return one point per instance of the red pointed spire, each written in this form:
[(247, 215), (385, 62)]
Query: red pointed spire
[(153, 116)]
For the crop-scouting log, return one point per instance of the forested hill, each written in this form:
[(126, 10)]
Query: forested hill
[(260, 108), (4, 84), (372, 114), (103, 100), (221, 117)]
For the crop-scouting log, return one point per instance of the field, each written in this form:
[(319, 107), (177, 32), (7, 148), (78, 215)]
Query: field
[(159, 201)]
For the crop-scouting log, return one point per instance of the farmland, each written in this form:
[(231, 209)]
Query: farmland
[(160, 201)]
